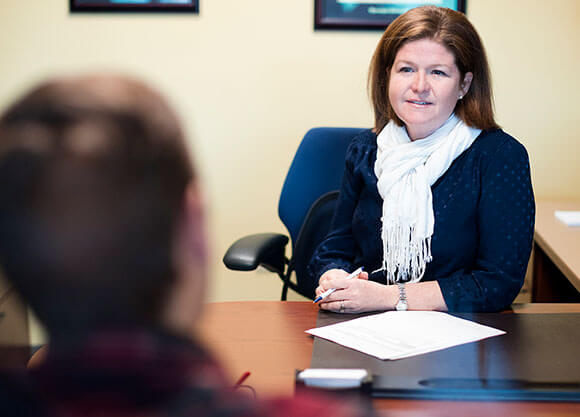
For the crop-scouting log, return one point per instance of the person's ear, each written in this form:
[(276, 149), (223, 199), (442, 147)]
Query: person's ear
[(465, 84), (194, 221), (186, 297)]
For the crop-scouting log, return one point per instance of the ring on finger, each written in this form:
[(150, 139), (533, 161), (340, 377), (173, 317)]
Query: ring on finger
[(341, 307)]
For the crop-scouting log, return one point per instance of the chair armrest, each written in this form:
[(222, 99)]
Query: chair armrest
[(266, 249)]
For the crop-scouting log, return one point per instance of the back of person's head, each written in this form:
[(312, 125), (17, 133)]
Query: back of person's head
[(452, 30), (93, 172)]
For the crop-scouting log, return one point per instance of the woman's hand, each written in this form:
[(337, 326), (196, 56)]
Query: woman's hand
[(353, 295)]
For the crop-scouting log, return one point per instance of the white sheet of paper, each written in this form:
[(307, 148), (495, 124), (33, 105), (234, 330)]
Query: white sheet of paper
[(400, 334), (569, 218)]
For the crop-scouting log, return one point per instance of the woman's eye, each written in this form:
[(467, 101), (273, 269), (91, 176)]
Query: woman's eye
[(405, 69), (438, 72)]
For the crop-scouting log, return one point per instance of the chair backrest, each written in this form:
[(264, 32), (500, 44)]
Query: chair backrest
[(317, 168), (314, 229)]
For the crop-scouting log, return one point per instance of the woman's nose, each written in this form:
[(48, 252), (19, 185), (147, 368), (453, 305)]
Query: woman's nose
[(420, 84)]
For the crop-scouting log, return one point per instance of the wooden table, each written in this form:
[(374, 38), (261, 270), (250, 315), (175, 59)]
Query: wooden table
[(267, 338), (556, 262)]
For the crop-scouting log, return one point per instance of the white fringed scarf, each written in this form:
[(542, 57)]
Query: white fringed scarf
[(406, 170)]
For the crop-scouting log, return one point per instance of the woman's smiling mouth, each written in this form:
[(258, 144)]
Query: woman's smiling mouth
[(419, 102)]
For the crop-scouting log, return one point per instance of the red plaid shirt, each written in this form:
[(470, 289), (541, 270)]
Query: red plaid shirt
[(139, 373)]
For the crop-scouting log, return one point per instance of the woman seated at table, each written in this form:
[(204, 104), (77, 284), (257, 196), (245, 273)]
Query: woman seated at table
[(436, 198)]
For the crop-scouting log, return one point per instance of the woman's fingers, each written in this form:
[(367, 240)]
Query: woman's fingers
[(339, 306), (328, 279), (360, 295), (364, 275), (339, 300)]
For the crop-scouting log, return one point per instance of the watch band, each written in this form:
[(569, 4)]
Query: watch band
[(402, 303)]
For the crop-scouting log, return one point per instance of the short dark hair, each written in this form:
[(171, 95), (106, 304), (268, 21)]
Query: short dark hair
[(452, 30), (93, 174)]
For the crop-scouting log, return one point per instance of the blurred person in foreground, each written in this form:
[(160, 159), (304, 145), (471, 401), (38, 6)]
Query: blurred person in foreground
[(102, 234)]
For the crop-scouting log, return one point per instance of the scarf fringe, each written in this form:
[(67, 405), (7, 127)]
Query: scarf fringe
[(405, 172), (406, 254)]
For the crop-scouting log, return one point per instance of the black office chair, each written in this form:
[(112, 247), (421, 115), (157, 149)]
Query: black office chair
[(306, 207)]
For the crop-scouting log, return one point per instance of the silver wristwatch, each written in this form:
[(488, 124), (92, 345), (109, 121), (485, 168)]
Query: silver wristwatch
[(402, 303)]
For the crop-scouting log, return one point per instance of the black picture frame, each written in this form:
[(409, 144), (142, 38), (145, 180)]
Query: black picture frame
[(134, 6), (357, 15)]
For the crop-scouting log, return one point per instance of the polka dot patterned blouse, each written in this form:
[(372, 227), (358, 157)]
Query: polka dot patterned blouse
[(484, 222)]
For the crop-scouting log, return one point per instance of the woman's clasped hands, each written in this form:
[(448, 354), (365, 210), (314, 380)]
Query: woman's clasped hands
[(352, 295)]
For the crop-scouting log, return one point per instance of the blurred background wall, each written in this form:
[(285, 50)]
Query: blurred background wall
[(249, 78)]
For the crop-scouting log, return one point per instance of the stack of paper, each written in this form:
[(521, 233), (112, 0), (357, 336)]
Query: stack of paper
[(569, 218), (400, 334)]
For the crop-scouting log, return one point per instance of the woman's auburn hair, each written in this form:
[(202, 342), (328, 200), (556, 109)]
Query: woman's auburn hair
[(452, 30)]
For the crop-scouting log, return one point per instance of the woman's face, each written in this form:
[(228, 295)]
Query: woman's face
[(424, 86)]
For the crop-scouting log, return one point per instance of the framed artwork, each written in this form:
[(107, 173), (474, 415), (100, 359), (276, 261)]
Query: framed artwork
[(185, 6), (361, 14)]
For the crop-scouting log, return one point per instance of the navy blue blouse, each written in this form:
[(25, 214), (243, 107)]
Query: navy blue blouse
[(484, 222)]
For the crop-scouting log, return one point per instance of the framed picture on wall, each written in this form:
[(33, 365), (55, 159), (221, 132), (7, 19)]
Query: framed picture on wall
[(361, 14), (186, 6)]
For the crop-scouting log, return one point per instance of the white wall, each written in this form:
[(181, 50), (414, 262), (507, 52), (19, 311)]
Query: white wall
[(534, 49), (249, 78)]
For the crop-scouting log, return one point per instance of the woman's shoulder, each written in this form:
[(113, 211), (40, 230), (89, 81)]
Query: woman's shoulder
[(365, 138), (497, 142), (494, 150), (362, 150), (361, 144)]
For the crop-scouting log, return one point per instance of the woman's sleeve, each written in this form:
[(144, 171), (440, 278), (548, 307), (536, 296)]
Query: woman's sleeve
[(505, 217), (338, 249)]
